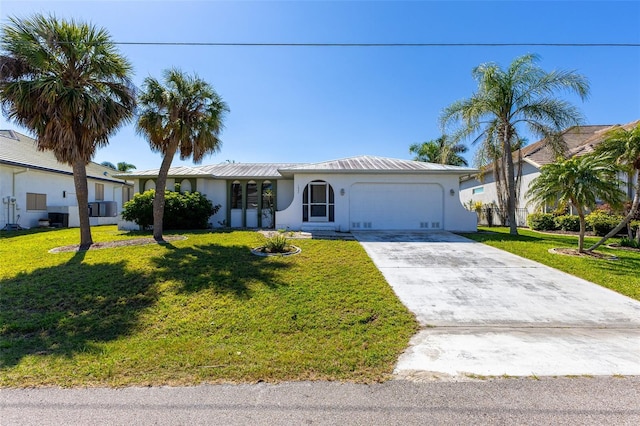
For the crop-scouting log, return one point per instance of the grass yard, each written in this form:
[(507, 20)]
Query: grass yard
[(622, 275), (200, 310)]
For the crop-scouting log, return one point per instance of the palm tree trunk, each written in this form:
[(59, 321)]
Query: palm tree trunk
[(583, 229), (627, 218), (82, 195), (511, 183), (159, 199)]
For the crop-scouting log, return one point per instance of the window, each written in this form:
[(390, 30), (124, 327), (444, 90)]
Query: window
[(36, 201), (127, 194), (252, 195), (185, 186), (236, 195), (267, 195), (478, 190), (99, 192), (318, 202)]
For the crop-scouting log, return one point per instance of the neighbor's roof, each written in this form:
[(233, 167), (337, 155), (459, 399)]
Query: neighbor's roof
[(575, 137), (580, 140), (372, 164), (18, 150)]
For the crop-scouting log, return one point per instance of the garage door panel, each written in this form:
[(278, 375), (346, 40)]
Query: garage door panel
[(396, 206)]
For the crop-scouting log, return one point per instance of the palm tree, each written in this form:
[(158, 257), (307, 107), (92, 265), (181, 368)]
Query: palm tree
[(579, 181), (508, 100), (109, 164), (184, 115), (65, 81), (624, 146), (439, 151), (123, 166)]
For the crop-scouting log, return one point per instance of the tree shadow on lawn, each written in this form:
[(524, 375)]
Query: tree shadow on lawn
[(64, 309), (483, 236), (225, 269)]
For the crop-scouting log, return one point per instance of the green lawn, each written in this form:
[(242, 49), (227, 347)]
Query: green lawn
[(622, 275), (200, 310)]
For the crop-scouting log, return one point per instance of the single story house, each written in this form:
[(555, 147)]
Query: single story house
[(35, 186), (580, 140), (358, 193)]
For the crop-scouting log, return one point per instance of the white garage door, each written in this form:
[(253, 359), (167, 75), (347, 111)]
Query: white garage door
[(396, 206)]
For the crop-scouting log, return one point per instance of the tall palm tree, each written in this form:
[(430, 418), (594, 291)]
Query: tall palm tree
[(183, 114), (624, 146), (579, 181), (439, 151), (508, 100), (123, 166), (65, 81)]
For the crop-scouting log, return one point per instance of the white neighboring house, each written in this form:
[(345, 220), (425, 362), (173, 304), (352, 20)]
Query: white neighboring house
[(35, 186), (580, 140), (358, 193)]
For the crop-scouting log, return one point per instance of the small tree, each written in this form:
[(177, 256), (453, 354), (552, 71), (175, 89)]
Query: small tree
[(624, 145), (182, 114), (439, 151), (579, 181), (66, 82)]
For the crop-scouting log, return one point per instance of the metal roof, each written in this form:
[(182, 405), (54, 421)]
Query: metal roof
[(247, 170), (223, 170), (18, 150), (373, 164), (360, 164), (178, 171)]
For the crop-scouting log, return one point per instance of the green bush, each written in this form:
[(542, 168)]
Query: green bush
[(541, 222), (568, 223), (190, 210), (627, 242), (277, 244), (602, 222)]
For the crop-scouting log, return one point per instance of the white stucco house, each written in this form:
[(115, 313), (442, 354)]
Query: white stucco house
[(358, 193), (580, 140), (34, 186)]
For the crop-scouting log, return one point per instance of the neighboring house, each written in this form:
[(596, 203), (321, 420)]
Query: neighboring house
[(359, 193), (580, 140), (34, 186)]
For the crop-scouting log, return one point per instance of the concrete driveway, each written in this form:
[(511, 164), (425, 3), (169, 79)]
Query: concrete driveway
[(486, 312)]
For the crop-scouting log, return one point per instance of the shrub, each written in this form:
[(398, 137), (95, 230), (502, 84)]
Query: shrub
[(277, 244), (541, 222), (568, 223), (602, 222), (190, 210), (628, 242)]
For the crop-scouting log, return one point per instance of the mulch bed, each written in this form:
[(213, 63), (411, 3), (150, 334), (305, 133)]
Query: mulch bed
[(575, 252), (114, 244)]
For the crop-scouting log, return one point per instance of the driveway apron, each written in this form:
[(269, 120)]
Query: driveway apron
[(486, 312)]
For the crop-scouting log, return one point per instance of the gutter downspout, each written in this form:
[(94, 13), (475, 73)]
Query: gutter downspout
[(13, 181)]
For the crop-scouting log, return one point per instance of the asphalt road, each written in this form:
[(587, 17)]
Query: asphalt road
[(584, 401)]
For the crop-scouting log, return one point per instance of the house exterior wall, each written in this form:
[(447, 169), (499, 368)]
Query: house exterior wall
[(489, 195), (60, 196), (456, 218)]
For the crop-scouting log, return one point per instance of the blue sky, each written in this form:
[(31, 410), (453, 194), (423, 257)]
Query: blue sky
[(307, 104)]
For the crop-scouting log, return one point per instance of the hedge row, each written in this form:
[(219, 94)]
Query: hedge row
[(598, 221)]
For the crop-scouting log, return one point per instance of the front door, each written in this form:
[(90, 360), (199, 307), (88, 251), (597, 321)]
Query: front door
[(319, 194)]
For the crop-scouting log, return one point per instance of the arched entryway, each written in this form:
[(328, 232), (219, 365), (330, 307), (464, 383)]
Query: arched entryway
[(318, 202)]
